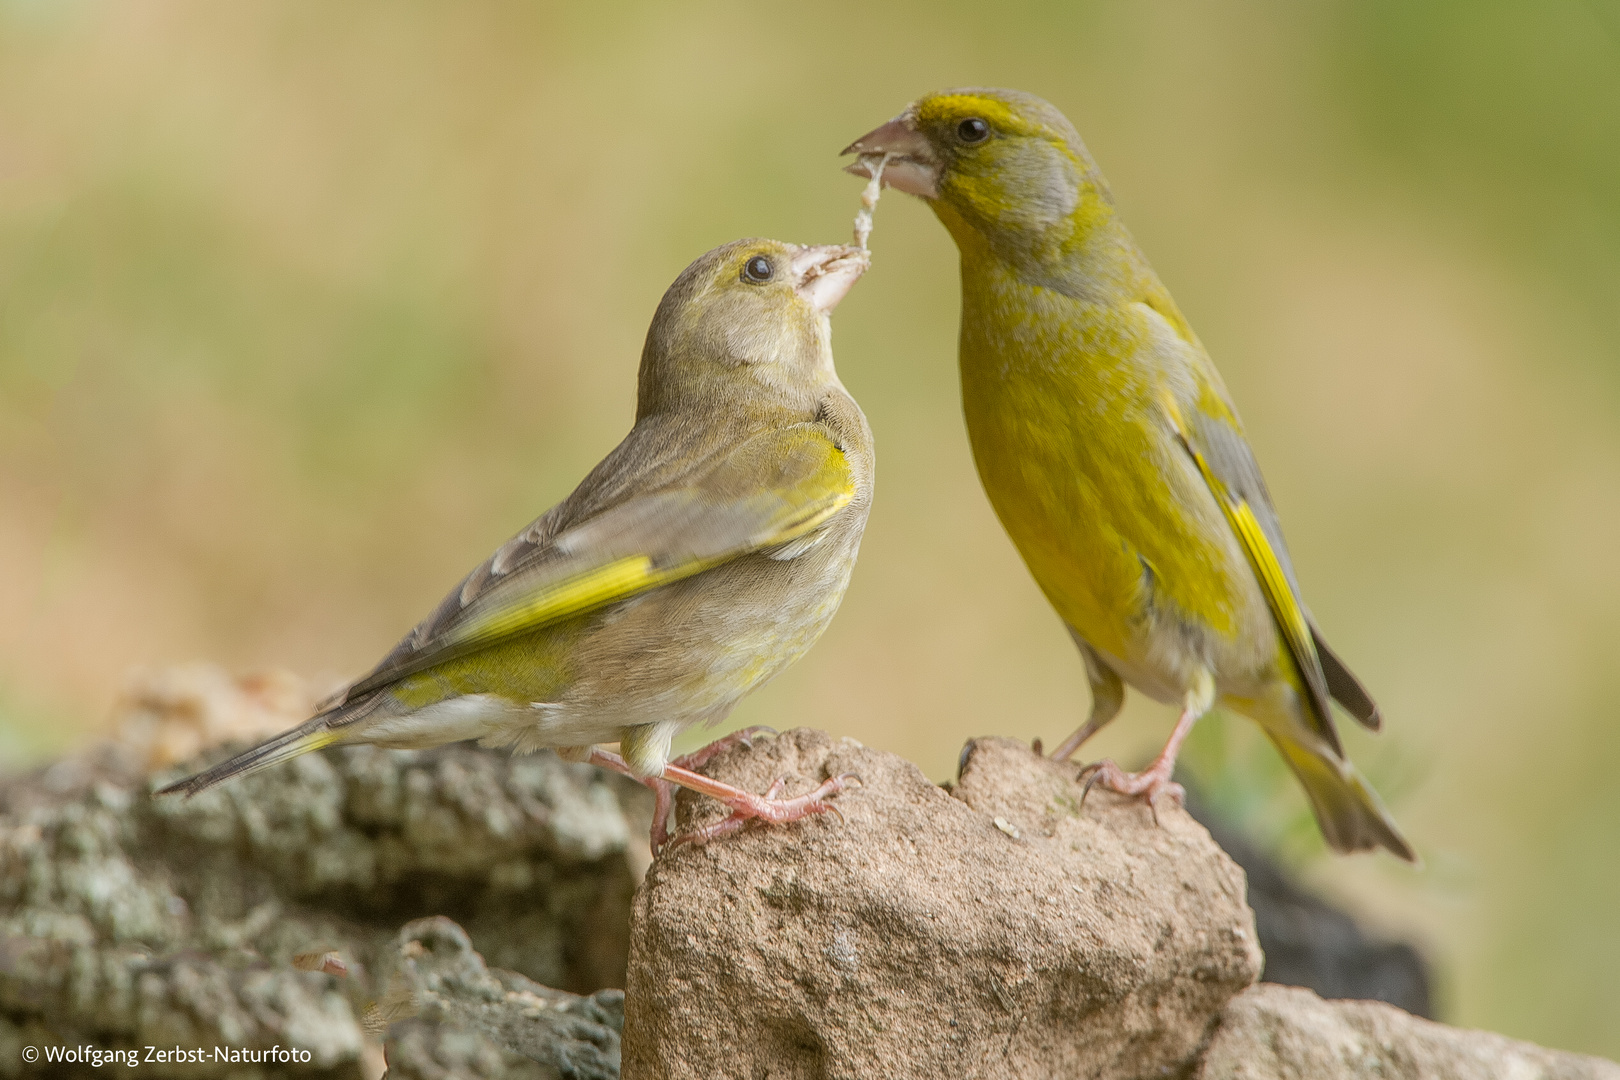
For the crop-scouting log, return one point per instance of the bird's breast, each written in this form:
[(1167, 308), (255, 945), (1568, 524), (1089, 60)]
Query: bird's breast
[(1061, 399)]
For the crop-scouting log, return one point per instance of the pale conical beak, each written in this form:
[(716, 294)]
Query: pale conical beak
[(824, 275), (913, 167)]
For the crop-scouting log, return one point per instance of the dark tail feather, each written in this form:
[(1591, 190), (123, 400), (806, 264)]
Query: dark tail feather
[(1344, 687), (1351, 816), (310, 735)]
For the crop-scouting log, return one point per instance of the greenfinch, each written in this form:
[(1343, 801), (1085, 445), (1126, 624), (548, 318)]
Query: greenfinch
[(699, 559), (1113, 455)]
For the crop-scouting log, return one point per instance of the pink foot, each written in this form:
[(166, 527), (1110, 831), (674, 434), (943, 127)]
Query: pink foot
[(664, 791), (1154, 780), (1150, 783), (769, 808), (745, 805)]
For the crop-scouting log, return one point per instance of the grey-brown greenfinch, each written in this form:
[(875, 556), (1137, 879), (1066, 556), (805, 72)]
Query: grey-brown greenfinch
[(704, 555)]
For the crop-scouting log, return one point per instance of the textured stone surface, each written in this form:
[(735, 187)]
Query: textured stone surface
[(1310, 943), (996, 932), (553, 1035), (1275, 1032), (993, 930), (128, 920)]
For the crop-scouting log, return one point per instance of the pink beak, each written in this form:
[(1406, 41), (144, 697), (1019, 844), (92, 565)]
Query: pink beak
[(913, 166), (824, 274)]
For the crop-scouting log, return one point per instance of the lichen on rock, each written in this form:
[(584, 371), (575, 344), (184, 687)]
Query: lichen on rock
[(131, 920), (443, 984)]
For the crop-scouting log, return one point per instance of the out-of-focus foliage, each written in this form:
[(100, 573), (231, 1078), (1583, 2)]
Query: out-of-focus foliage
[(304, 307)]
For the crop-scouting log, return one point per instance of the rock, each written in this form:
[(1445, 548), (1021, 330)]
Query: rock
[(445, 982), (1274, 1032), (994, 931), (128, 920), (422, 1050), (1310, 943), (989, 930)]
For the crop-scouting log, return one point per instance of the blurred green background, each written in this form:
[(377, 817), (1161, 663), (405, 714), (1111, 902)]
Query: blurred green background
[(304, 307)]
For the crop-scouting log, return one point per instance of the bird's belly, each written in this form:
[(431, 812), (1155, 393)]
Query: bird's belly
[(687, 653), (1120, 533), (677, 655), (455, 719)]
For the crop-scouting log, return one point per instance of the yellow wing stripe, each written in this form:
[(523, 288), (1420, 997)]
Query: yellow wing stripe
[(615, 581), (1280, 598), (571, 596), (510, 609), (1273, 582)]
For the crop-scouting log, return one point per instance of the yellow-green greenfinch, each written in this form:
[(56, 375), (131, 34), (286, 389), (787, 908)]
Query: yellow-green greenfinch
[(704, 555), (1113, 455)]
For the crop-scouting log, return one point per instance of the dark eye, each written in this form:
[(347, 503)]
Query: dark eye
[(758, 269), (973, 130)]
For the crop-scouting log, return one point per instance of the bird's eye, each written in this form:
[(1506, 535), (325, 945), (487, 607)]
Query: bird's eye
[(973, 130), (758, 270)]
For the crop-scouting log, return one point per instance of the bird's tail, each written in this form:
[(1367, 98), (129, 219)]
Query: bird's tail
[(1351, 816), (312, 734)]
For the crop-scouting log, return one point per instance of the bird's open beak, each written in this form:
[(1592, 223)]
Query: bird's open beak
[(913, 167), (824, 275)]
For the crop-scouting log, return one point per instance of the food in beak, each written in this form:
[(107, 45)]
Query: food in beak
[(911, 164), (874, 165), (825, 274)]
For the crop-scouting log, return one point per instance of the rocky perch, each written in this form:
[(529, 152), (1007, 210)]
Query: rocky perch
[(346, 904), (267, 912), (994, 930)]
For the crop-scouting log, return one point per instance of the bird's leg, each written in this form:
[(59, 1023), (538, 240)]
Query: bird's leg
[(1085, 731), (1155, 780), (664, 791), (1107, 695), (705, 754), (745, 805), (663, 807)]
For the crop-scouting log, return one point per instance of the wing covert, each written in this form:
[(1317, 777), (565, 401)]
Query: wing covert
[(773, 489)]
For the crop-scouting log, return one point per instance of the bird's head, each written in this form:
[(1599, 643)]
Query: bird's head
[(749, 312), (999, 166)]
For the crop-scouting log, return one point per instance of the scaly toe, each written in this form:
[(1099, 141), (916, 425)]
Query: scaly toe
[(771, 809), (1148, 784)]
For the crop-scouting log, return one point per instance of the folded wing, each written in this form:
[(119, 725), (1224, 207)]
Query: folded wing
[(1228, 467), (773, 489)]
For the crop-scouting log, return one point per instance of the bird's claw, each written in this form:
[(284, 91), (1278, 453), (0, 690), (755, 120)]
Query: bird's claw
[(1150, 783), (770, 808)]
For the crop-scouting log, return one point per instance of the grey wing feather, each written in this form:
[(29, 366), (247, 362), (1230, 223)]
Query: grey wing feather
[(1231, 459), (1345, 687), (705, 520), (640, 461)]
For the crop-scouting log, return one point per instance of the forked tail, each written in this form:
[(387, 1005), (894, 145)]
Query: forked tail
[(1351, 816), (311, 735)]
